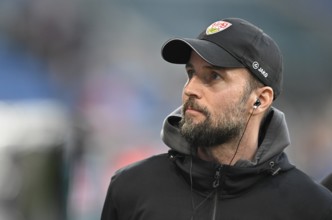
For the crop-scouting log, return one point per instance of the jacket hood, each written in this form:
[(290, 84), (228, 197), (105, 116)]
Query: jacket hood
[(274, 137), (203, 176)]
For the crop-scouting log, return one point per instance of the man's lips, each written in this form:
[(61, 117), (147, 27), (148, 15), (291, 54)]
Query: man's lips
[(193, 111)]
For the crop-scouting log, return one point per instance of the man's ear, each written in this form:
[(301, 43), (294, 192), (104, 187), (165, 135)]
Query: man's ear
[(265, 97)]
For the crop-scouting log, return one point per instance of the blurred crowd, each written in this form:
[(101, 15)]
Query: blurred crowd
[(84, 91)]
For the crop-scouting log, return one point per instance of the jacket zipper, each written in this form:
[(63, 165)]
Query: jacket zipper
[(216, 184)]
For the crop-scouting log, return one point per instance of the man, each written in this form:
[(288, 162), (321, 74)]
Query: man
[(226, 158)]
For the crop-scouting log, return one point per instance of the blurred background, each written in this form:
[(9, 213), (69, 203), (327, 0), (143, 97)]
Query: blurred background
[(84, 91)]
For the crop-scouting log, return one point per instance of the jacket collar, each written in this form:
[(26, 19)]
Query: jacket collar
[(206, 177)]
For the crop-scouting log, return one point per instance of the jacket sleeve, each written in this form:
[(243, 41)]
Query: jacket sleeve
[(109, 209)]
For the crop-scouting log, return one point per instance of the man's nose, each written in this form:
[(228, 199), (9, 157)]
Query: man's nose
[(193, 88)]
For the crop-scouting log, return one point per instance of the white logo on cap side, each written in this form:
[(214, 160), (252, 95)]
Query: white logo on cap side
[(217, 27), (256, 66)]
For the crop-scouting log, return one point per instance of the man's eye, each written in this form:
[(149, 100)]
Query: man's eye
[(190, 73), (215, 76), (212, 77)]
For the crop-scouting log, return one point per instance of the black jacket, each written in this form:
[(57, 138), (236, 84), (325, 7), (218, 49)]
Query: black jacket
[(178, 186)]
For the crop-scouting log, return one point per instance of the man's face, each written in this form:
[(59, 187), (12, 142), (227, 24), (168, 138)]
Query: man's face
[(214, 103)]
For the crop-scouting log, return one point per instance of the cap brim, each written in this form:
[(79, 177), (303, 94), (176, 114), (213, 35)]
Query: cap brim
[(178, 51)]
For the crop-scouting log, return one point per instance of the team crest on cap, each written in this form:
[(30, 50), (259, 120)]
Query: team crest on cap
[(217, 27)]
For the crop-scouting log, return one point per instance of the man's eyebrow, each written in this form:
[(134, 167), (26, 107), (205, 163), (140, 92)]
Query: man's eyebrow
[(189, 65)]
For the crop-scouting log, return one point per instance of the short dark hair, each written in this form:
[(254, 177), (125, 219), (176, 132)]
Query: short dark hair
[(254, 83)]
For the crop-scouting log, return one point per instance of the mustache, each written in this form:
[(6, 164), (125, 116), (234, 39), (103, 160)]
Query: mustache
[(191, 104)]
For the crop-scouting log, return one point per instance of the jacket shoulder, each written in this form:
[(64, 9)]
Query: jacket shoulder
[(301, 181), (141, 170), (310, 193)]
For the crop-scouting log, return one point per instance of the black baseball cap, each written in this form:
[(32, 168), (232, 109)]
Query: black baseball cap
[(232, 42)]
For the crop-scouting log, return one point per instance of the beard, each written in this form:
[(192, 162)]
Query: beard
[(227, 126)]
